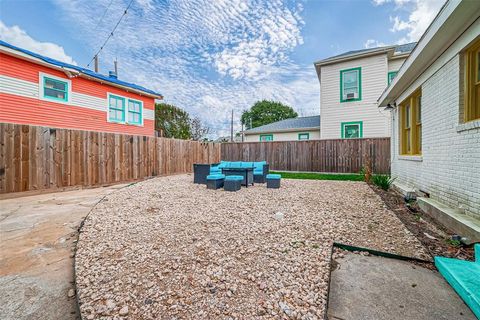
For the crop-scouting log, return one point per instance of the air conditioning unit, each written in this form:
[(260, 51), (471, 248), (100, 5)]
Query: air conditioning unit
[(351, 96)]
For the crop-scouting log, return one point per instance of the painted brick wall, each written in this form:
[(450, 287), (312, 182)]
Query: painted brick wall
[(450, 166)]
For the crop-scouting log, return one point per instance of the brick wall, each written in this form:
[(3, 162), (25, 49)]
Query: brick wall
[(449, 168)]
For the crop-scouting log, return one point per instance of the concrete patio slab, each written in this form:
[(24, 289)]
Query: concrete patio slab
[(37, 237), (370, 287)]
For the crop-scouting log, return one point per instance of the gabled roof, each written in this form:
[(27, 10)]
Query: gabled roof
[(396, 50), (82, 71), (292, 124)]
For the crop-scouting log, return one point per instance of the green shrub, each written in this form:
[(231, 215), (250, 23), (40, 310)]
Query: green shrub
[(382, 180)]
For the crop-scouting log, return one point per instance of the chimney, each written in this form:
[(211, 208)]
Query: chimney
[(96, 63), (115, 64), (112, 74)]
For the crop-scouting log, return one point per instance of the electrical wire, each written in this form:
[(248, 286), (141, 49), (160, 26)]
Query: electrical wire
[(103, 16), (111, 33)]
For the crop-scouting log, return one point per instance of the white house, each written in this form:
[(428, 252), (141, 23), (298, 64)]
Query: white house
[(294, 129), (350, 85), (435, 118)]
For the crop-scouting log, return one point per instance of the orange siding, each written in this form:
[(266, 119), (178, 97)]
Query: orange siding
[(34, 111)]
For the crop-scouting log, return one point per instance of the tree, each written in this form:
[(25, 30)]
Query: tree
[(198, 129), (265, 112), (172, 121)]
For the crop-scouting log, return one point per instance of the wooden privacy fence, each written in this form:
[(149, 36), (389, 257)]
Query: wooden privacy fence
[(338, 155), (36, 158)]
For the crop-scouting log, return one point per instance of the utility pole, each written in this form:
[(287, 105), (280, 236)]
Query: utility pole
[(115, 63), (243, 134), (231, 129)]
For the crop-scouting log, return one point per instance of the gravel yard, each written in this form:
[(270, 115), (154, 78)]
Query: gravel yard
[(167, 248)]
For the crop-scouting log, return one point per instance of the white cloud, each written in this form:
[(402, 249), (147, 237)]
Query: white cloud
[(372, 43), (420, 13), (18, 37), (207, 57)]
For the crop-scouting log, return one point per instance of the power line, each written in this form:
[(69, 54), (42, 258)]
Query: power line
[(111, 33), (103, 16)]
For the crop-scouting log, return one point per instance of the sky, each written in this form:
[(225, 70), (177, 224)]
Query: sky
[(210, 57)]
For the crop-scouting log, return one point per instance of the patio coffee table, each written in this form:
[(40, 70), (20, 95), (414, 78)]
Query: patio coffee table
[(247, 174)]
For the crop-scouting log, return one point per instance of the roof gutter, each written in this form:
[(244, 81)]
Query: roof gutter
[(247, 132), (354, 56)]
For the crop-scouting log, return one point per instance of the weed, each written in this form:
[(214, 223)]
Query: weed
[(453, 243), (383, 181)]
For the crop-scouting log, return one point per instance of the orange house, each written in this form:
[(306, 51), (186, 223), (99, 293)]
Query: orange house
[(37, 90)]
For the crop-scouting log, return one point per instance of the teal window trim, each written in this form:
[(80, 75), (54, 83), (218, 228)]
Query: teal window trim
[(139, 112), (359, 69), (110, 96), (359, 123), (266, 136), (65, 91), (391, 75), (303, 134)]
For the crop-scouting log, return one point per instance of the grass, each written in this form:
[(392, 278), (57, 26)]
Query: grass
[(320, 176)]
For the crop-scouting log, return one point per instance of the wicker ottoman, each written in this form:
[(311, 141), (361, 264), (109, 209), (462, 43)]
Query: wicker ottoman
[(215, 181), (273, 181), (233, 183)]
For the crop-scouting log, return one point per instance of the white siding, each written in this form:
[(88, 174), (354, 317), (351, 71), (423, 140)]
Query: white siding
[(284, 136), (395, 64), (449, 168), (376, 123)]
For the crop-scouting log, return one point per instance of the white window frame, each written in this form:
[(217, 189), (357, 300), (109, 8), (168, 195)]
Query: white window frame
[(127, 99), (41, 81)]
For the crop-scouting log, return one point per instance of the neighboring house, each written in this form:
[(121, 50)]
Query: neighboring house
[(37, 90), (294, 129), (435, 106), (350, 85), (223, 139)]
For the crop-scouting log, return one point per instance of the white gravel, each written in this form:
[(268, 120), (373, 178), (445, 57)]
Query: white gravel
[(167, 248)]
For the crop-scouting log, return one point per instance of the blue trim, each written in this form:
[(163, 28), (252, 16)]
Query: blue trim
[(81, 70)]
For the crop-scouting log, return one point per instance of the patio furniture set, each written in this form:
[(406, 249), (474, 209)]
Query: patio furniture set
[(231, 175)]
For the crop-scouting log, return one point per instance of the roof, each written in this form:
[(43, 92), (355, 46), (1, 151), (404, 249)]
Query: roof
[(396, 51), (292, 124), (452, 21), (84, 71)]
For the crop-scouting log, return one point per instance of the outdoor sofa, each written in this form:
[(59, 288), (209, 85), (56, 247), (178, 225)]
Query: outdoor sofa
[(201, 171)]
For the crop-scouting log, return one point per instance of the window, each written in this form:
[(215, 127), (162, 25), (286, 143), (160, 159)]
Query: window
[(472, 83), (391, 75), (134, 112), (304, 136), (410, 124), (266, 137), (54, 88), (124, 110), (351, 130), (116, 108), (351, 85)]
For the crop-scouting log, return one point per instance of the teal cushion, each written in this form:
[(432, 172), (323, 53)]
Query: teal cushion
[(247, 164), (215, 176), (257, 173), (235, 164), (273, 176), (215, 171), (223, 164), (234, 178), (259, 164)]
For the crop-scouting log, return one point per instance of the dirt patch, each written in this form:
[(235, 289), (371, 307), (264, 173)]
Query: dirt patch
[(432, 235)]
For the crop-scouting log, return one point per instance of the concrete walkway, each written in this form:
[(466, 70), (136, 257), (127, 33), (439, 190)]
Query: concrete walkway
[(379, 288), (37, 239)]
